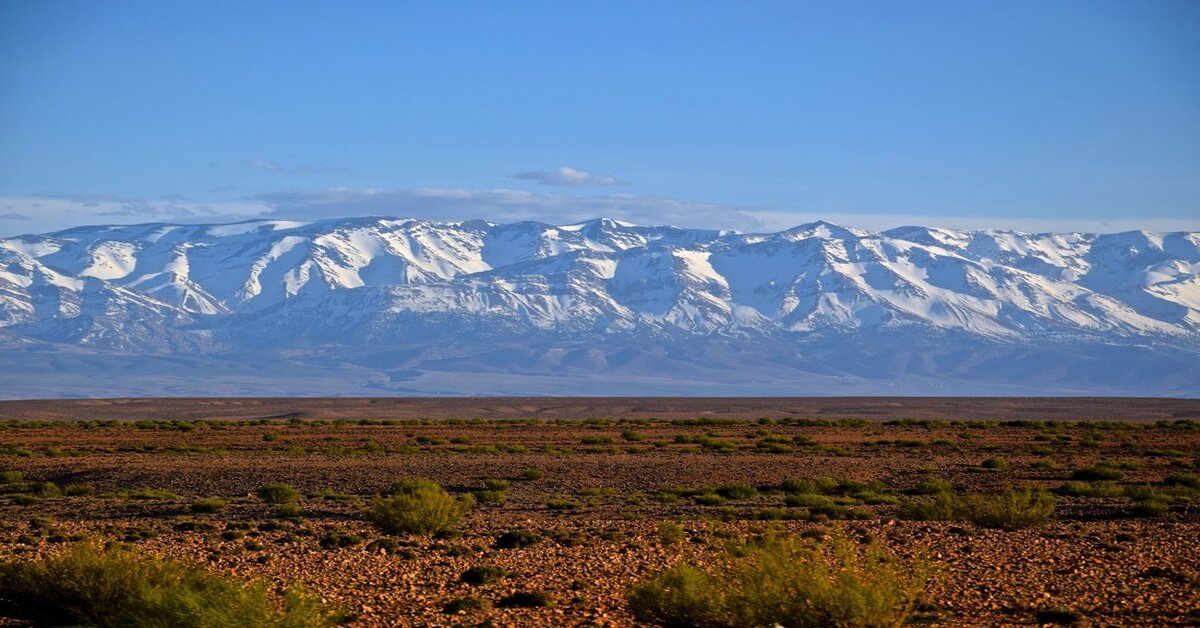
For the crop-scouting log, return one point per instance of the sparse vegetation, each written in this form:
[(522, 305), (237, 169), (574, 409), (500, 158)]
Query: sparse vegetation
[(118, 587), (209, 505), (277, 493), (526, 599), (670, 532), (788, 581), (514, 539), (533, 473), (481, 575), (417, 507), (1008, 510)]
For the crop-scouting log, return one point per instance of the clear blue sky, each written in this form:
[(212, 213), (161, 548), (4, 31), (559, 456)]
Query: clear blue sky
[(1013, 113)]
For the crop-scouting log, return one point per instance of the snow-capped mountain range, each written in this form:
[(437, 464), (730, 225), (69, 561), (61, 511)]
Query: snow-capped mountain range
[(385, 305)]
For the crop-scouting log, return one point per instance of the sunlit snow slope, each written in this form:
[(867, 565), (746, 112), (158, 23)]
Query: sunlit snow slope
[(405, 306)]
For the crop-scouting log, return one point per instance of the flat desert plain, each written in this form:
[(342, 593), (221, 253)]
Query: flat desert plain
[(1015, 511)]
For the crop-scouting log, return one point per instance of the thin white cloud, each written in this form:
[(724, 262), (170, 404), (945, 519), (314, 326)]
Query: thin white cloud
[(777, 220), (266, 165), (568, 177), (42, 214), (502, 205)]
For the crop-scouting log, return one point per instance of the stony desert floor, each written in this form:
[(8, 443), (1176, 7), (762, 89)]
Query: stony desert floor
[(1121, 547)]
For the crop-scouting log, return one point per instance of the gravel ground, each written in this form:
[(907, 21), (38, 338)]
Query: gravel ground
[(1096, 559)]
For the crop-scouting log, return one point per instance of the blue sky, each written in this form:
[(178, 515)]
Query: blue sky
[(1037, 115)]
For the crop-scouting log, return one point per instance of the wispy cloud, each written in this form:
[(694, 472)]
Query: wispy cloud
[(568, 177), (502, 205), (46, 213), (266, 165), (42, 214)]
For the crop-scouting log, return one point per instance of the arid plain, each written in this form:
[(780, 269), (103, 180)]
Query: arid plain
[(1016, 511)]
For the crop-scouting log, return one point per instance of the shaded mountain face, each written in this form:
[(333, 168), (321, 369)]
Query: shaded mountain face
[(375, 302)]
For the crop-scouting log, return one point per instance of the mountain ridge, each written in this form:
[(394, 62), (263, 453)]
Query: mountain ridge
[(338, 293)]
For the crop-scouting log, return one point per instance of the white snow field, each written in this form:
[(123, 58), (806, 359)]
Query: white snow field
[(397, 306)]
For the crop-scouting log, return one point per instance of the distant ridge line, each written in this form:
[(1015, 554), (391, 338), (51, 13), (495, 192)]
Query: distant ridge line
[(352, 408)]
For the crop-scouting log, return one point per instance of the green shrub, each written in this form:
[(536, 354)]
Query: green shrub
[(277, 493), (526, 599), (78, 490), (490, 497), (290, 510), (1186, 480), (483, 574), (670, 532), (11, 477), (533, 473), (1102, 471), (514, 539), (933, 486), (417, 507), (737, 491), (994, 464), (942, 507), (785, 581), (493, 484), (708, 499), (336, 539), (799, 486), (117, 587), (1090, 489), (209, 505), (44, 489), (1150, 508), (1010, 510)]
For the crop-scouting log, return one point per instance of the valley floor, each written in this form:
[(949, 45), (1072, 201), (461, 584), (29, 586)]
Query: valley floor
[(1120, 548)]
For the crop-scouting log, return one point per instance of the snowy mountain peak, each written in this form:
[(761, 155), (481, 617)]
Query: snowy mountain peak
[(361, 284)]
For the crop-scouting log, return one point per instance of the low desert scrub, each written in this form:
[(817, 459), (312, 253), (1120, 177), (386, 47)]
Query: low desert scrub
[(494, 484), (1008, 510), (288, 510), (117, 587), (209, 505), (142, 493), (994, 464), (737, 491), (933, 486), (514, 539), (533, 473), (11, 477), (526, 599), (670, 532), (417, 507), (1101, 471), (483, 574), (490, 497), (787, 581), (277, 493), (336, 539)]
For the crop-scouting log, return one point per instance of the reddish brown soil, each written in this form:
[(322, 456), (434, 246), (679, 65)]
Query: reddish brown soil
[(1097, 558), (947, 408)]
